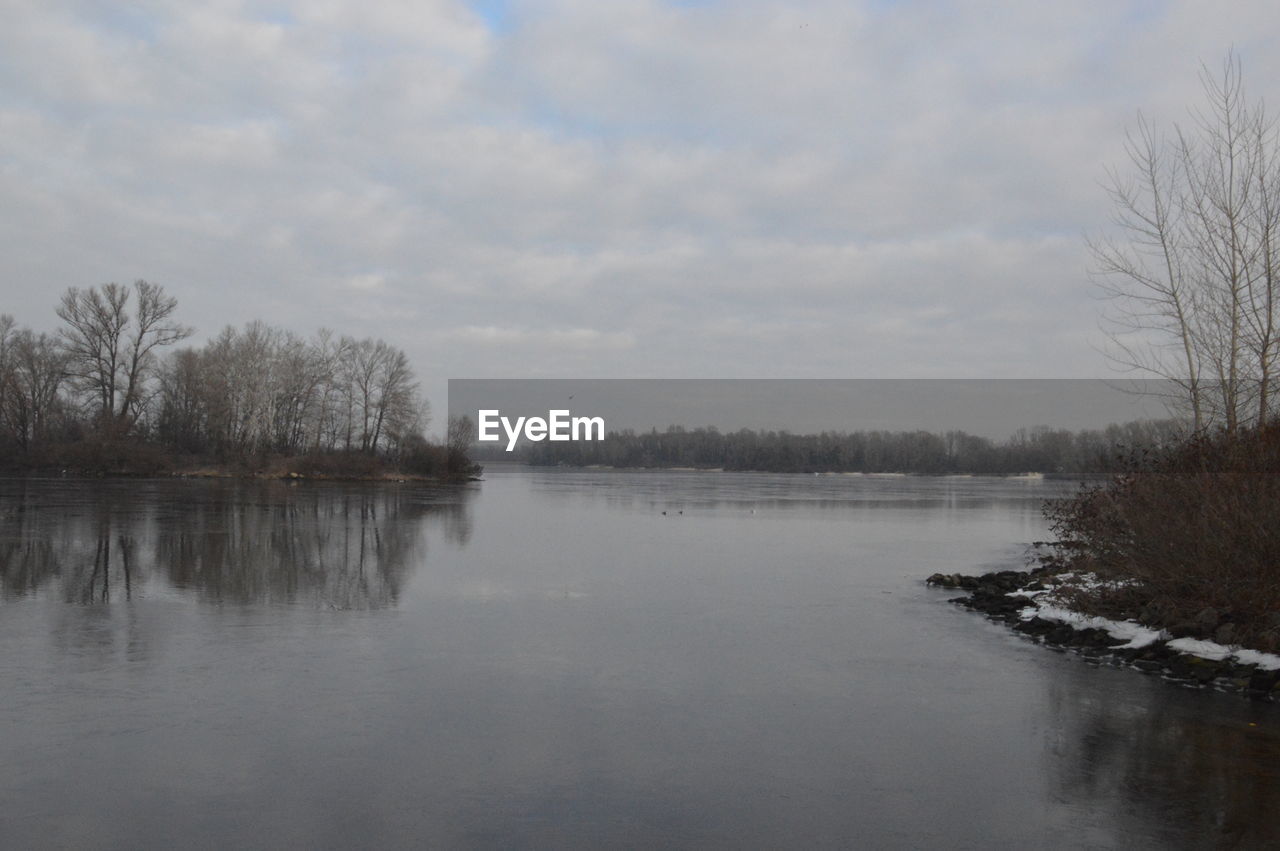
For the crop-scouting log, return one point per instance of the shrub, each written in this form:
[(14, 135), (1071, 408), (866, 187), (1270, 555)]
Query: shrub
[(1193, 527), (333, 465), (99, 457)]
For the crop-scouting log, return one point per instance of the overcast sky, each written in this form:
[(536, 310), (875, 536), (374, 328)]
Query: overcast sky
[(596, 188)]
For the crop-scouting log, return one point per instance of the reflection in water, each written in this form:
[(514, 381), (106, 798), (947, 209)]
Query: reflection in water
[(340, 546), (1173, 765), (798, 493), (30, 542), (765, 670)]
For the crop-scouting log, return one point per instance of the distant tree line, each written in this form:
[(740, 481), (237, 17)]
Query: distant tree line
[(1036, 450), (112, 377)]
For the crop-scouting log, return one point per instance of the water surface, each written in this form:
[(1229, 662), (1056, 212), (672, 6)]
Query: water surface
[(575, 658)]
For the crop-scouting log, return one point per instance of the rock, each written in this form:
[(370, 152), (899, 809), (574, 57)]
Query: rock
[(1205, 673), (1239, 671), (1149, 615), (1060, 634), (1207, 618), (1090, 637), (1003, 607), (1102, 638), (1263, 681), (996, 595), (1225, 634), (1034, 626), (1010, 580)]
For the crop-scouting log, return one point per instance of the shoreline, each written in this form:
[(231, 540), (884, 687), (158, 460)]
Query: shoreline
[(1024, 600), (389, 477), (1023, 476)]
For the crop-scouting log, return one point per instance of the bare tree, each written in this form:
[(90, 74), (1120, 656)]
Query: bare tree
[(460, 433), (239, 374), (1191, 272), (381, 391), (246, 392), (396, 407), (7, 375), (96, 319), (39, 368), (152, 327), (183, 420), (327, 356), (110, 351)]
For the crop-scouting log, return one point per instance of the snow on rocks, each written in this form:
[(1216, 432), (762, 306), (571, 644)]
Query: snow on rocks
[(1219, 652), (1033, 603), (1134, 635)]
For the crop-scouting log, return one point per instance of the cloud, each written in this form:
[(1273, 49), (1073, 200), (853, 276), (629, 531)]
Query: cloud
[(632, 188), (576, 339)]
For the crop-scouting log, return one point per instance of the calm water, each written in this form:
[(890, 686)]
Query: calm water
[(548, 660)]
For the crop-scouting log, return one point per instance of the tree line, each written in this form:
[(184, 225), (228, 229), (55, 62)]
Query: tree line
[(1036, 450), (113, 375), (267, 389)]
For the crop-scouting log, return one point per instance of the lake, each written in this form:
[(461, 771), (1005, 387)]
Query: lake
[(576, 658)]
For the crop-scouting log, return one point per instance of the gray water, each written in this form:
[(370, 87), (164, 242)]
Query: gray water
[(559, 658)]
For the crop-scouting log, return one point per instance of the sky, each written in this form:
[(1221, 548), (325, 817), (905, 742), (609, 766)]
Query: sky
[(588, 188), (992, 408)]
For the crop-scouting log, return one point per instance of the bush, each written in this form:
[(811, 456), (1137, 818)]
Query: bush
[(1193, 527), (331, 465), (98, 457), (423, 458)]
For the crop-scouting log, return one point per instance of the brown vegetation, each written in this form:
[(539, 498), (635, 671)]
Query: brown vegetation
[(1195, 531)]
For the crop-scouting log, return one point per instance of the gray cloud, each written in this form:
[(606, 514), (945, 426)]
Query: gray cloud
[(633, 188)]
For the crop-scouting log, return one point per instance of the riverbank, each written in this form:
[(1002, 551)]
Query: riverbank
[(1037, 604), (132, 460), (1078, 477), (294, 476)]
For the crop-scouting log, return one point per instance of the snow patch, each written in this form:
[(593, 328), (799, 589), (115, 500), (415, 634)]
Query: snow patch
[(1137, 635), (1219, 652)]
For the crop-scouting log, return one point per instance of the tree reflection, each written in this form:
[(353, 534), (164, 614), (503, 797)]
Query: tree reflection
[(335, 546), (97, 587), (29, 548), (1168, 769)]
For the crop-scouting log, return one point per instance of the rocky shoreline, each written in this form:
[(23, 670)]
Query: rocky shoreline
[(1009, 596)]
